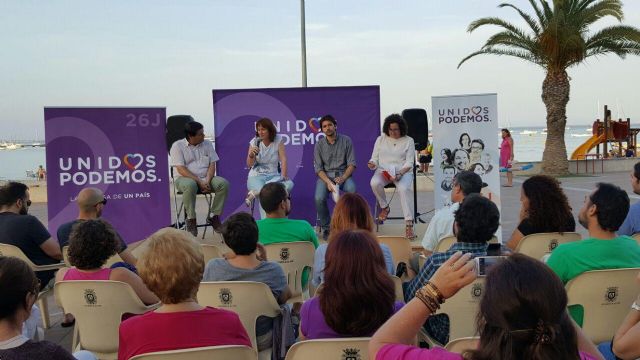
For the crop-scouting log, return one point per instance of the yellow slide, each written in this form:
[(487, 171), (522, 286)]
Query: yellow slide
[(587, 146)]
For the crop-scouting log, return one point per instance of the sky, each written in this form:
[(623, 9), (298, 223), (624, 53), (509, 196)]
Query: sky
[(173, 53)]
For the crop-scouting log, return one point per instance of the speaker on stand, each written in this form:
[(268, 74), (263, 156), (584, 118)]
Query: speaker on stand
[(418, 129)]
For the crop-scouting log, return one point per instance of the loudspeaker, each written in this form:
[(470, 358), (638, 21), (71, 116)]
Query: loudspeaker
[(417, 126), (175, 128)]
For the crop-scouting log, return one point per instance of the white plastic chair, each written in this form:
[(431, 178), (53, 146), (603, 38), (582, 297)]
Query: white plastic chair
[(294, 257), (235, 352), (10, 250), (538, 245), (463, 344), (325, 349), (98, 307)]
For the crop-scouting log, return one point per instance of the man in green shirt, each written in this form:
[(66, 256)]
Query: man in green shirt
[(603, 212), (277, 227)]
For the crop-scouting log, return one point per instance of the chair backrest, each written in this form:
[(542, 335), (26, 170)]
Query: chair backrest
[(538, 245), (637, 237), (463, 344), (606, 296), (462, 309), (397, 282), (248, 299), (445, 243), (294, 257), (98, 307), (236, 352), (324, 349), (400, 248), (210, 252), (11, 250), (65, 256)]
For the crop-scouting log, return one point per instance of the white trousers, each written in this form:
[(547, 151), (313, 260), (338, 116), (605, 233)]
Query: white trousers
[(403, 189)]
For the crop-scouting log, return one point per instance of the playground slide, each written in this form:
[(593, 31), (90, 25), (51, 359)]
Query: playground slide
[(587, 146)]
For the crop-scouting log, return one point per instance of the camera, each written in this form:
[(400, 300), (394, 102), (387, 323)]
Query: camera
[(485, 263)]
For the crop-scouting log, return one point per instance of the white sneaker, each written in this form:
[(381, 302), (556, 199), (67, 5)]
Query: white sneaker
[(250, 197)]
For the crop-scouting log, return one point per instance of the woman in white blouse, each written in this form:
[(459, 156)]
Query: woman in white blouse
[(392, 160), (267, 160)]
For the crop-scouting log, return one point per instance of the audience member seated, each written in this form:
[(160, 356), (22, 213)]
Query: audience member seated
[(358, 294), (351, 212), (631, 224), (25, 231), (476, 220), (172, 267), (522, 315), (544, 208), (247, 263), (465, 183), (91, 202), (602, 214), (626, 342), (19, 288)]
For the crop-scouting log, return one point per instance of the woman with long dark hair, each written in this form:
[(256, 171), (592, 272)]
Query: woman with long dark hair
[(544, 208), (522, 315), (350, 213), (358, 294)]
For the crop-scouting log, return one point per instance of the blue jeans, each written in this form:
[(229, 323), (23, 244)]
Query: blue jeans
[(321, 199), (605, 350), (255, 183)]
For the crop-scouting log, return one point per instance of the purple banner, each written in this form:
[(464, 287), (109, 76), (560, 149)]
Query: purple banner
[(295, 113), (121, 151)]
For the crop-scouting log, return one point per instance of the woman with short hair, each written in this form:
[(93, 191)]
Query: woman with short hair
[(358, 294), (172, 267), (522, 315), (393, 160), (267, 160)]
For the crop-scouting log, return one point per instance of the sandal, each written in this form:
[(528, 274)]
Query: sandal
[(408, 232), (383, 214)]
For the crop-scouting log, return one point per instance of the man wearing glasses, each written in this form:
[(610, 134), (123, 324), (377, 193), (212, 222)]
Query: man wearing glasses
[(25, 231), (91, 202)]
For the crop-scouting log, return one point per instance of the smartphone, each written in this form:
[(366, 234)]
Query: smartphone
[(484, 263)]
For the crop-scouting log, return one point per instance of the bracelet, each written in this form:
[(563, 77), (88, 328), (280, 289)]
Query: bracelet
[(435, 289), (428, 301), (635, 306)]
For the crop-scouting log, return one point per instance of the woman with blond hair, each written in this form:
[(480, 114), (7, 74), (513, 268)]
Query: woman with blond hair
[(172, 267), (351, 212)]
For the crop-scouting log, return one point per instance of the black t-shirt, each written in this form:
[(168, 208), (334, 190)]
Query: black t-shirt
[(30, 350), (27, 233), (65, 230), (526, 228)]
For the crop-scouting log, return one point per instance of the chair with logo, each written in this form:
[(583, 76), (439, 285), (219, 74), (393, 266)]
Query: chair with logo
[(605, 296), (235, 352), (323, 349), (98, 307), (461, 309), (463, 344), (10, 250), (538, 245), (174, 132), (248, 299), (295, 258)]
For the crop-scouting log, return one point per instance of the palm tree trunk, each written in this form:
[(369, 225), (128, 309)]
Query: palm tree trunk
[(555, 95)]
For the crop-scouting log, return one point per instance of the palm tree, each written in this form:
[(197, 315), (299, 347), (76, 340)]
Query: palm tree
[(559, 39)]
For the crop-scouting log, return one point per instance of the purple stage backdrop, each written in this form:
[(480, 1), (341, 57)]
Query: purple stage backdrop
[(295, 113), (121, 151)]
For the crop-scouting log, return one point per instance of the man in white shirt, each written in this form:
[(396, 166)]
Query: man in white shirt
[(441, 225), (195, 160)]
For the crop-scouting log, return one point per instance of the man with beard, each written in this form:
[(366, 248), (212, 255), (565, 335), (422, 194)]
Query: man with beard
[(461, 159), (631, 224), (25, 231), (91, 202), (334, 161), (602, 214)]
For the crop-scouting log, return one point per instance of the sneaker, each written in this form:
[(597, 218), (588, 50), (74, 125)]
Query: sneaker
[(251, 196), (192, 226), (214, 221)]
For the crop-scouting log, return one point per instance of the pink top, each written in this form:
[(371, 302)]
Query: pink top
[(75, 274), (505, 153), (407, 352), (155, 331)]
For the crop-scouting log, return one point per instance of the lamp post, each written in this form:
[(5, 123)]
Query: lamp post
[(303, 41)]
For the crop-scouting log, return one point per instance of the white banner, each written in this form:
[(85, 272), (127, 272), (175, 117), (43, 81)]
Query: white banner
[(465, 137)]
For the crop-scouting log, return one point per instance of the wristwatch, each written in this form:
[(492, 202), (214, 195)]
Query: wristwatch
[(635, 306)]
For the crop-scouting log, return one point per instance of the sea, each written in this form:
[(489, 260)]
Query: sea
[(528, 144)]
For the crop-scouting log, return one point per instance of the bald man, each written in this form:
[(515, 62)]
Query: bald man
[(90, 202)]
